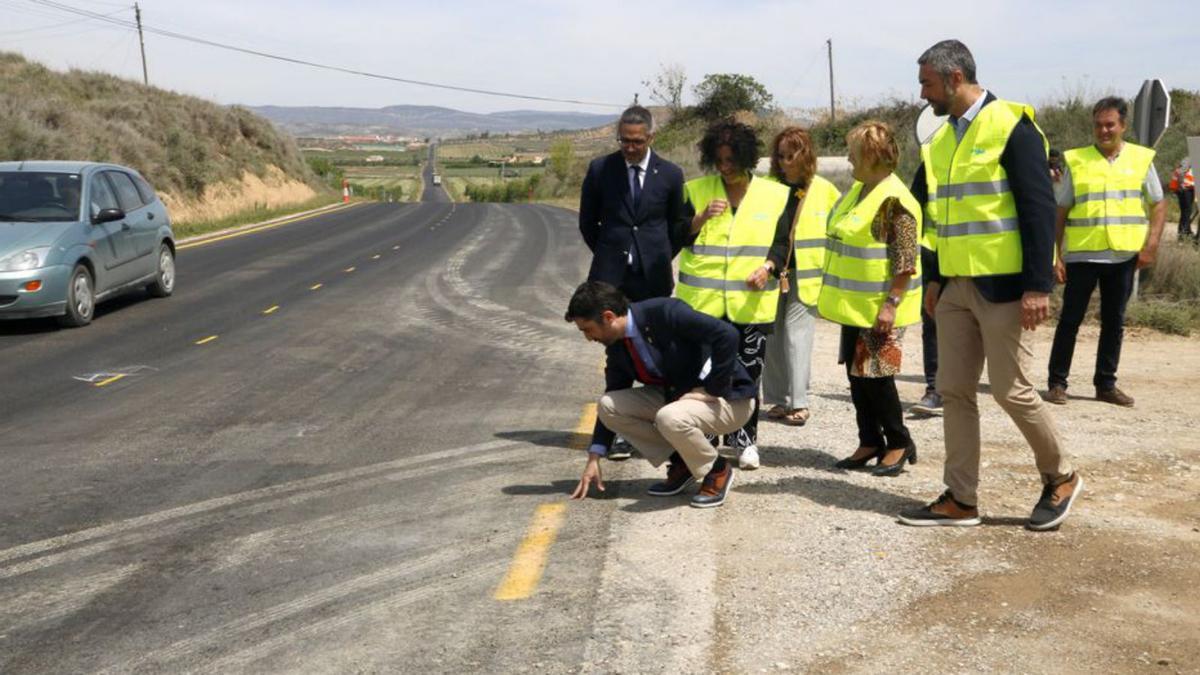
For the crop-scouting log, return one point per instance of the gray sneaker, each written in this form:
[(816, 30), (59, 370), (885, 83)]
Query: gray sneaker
[(930, 404), (620, 451)]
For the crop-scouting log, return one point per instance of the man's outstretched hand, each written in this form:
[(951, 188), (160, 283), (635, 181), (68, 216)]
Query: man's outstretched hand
[(591, 474)]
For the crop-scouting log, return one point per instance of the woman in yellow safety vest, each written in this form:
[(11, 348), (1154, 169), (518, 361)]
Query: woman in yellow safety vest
[(789, 349), (872, 286), (735, 246)]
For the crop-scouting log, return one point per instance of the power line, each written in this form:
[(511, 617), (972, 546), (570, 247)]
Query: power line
[(63, 24), (312, 64)]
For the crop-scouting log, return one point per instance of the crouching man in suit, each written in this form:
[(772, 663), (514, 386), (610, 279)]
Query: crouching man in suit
[(692, 384)]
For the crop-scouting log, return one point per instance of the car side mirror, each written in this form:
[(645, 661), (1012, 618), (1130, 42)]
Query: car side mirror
[(108, 215)]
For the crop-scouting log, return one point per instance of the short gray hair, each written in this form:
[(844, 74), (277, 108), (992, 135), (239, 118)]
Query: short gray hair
[(637, 115), (948, 56)]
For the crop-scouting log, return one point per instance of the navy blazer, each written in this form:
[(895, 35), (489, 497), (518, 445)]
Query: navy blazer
[(690, 349), (612, 228)]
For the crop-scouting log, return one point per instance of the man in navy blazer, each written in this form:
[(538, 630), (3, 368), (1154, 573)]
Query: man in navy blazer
[(692, 384), (631, 212)]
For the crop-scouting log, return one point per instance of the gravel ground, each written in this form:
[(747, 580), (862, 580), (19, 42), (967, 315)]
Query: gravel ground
[(805, 569)]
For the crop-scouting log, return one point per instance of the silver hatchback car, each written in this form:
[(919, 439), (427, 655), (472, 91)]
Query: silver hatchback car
[(75, 233)]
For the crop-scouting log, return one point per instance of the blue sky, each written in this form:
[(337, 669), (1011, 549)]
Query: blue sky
[(1032, 51)]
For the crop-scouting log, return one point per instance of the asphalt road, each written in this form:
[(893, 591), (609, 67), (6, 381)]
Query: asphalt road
[(321, 454)]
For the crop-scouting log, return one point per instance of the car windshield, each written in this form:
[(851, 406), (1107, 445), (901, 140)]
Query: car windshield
[(32, 196)]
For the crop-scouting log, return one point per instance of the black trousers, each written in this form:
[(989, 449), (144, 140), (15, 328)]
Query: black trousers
[(876, 403), (1186, 199), (929, 356), (878, 413), (1116, 283)]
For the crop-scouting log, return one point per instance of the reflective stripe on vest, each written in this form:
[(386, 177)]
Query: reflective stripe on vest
[(858, 274), (728, 249), (1107, 222), (809, 251), (971, 202)]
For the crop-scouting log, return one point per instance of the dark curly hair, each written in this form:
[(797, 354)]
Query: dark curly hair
[(740, 138)]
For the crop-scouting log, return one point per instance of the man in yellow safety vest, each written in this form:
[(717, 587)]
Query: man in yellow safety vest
[(985, 184), (1103, 236)]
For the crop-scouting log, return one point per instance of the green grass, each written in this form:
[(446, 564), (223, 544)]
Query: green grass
[(256, 215)]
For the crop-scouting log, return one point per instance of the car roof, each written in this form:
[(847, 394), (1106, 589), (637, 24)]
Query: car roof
[(58, 167)]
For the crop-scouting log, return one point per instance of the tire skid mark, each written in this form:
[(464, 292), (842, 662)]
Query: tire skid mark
[(372, 584), (43, 605), (417, 591), (268, 498)]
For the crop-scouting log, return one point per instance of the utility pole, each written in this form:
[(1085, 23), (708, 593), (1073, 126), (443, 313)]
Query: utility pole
[(137, 12), (832, 110)]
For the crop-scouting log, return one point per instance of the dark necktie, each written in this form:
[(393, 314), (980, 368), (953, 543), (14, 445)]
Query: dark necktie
[(636, 184)]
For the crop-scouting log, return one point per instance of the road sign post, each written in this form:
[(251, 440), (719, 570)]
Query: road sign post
[(1151, 112)]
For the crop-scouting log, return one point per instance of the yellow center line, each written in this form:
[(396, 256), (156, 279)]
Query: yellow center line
[(271, 310), (315, 287), (350, 269), (530, 559), (206, 340), (529, 562), (261, 228), (108, 381)]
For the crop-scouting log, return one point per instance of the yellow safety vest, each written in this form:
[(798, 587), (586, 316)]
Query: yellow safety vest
[(858, 275), (977, 234), (809, 252), (1108, 220), (713, 270)]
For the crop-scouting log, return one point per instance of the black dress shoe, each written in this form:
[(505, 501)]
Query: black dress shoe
[(851, 463), (679, 476), (909, 456)]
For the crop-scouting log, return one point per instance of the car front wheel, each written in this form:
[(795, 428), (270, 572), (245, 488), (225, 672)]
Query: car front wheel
[(164, 281), (81, 299)]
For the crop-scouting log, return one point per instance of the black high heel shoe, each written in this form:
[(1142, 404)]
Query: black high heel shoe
[(851, 463), (909, 456)]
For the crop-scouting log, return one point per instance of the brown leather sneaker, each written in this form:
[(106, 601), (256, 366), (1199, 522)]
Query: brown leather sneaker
[(715, 489), (1055, 503), (1115, 396), (946, 511), (1057, 395)]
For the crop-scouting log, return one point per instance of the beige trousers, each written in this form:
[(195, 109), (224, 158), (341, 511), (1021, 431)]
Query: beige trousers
[(642, 417), (970, 332)]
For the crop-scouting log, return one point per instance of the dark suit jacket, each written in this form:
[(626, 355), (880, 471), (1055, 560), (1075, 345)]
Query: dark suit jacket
[(612, 228), (682, 341), (1024, 160)]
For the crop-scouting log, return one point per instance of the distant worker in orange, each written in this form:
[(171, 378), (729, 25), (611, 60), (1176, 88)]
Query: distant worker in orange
[(1183, 184)]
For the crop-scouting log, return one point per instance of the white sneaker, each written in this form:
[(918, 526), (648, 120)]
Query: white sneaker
[(748, 460)]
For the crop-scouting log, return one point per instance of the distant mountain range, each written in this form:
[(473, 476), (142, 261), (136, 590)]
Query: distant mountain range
[(416, 120)]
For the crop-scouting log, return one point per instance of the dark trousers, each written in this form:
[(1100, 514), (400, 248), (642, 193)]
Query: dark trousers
[(929, 348), (1186, 199), (1116, 283), (752, 351), (877, 411)]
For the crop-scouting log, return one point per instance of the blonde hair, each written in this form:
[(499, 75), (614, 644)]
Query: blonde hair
[(876, 144)]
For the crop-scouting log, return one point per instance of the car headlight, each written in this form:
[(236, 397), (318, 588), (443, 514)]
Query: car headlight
[(29, 259)]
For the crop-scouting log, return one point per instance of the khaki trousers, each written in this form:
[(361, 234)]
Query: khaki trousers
[(970, 332), (642, 417)]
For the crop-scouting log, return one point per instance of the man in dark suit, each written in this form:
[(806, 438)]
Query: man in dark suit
[(693, 384), (630, 212)]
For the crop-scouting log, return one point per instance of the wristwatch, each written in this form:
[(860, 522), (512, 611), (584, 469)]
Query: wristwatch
[(893, 300)]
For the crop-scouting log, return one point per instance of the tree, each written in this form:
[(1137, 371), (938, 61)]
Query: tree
[(666, 88), (724, 94), (562, 155)]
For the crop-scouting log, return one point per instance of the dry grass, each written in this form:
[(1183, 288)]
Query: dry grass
[(200, 155)]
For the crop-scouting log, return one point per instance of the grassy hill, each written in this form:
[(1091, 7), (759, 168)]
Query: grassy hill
[(209, 161)]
